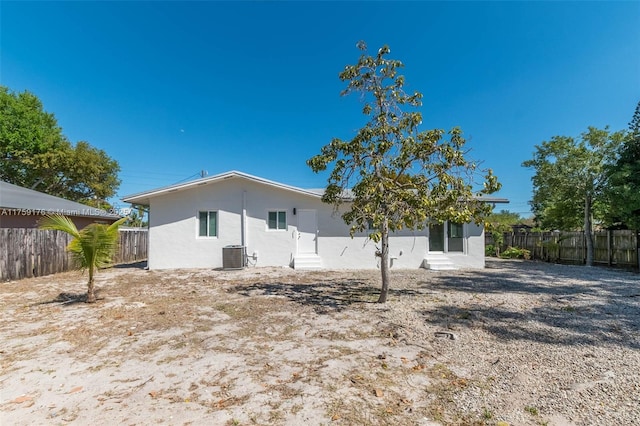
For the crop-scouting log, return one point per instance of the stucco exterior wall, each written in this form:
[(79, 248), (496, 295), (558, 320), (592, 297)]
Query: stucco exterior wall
[(174, 240), (473, 257), (173, 228), (339, 251), (173, 220)]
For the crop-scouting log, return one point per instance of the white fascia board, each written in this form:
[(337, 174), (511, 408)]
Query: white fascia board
[(142, 198)]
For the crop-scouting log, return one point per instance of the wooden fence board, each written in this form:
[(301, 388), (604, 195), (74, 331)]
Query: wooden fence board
[(617, 248), (32, 252)]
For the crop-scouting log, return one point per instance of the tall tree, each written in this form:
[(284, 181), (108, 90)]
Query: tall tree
[(499, 223), (28, 136), (570, 179), (87, 175), (392, 175), (92, 247), (624, 184), (503, 220), (35, 154)]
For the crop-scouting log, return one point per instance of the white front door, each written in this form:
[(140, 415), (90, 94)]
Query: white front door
[(307, 232)]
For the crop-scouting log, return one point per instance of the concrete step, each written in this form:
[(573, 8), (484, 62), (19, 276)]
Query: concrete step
[(436, 267), (439, 262), (307, 262)]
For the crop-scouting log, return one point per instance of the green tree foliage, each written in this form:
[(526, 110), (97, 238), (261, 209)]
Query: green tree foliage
[(624, 182), (35, 154), (392, 175), (570, 180), (136, 218), (503, 220), (92, 247), (499, 223)]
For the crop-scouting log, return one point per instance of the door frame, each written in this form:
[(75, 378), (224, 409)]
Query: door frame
[(315, 240), (445, 237)]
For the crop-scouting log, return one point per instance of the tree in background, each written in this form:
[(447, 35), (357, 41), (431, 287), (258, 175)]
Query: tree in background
[(393, 175), (570, 181), (503, 220), (92, 247), (136, 218), (498, 224), (35, 154), (624, 181)]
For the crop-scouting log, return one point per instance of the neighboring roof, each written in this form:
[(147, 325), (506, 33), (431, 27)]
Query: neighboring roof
[(521, 226), (495, 200), (29, 202), (142, 198)]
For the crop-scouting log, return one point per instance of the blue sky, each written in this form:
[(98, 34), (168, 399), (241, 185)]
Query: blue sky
[(169, 89)]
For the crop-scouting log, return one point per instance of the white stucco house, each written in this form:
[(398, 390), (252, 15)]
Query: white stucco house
[(235, 219)]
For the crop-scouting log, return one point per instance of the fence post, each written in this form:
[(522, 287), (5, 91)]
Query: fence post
[(609, 248), (135, 247), (638, 249), (558, 240)]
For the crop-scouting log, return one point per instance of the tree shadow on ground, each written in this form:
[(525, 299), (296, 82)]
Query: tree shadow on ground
[(537, 278), (587, 325), (68, 299), (581, 308), (134, 265), (323, 296)]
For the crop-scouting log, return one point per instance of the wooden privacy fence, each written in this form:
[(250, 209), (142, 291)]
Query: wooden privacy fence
[(133, 247), (32, 252), (613, 248)]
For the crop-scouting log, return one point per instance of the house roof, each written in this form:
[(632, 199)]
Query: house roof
[(495, 200), (29, 202), (143, 198)]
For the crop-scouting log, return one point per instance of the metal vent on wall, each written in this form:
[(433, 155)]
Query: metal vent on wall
[(233, 257)]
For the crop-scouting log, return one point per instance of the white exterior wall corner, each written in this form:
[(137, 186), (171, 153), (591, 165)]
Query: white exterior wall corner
[(473, 256), (173, 227), (339, 251)]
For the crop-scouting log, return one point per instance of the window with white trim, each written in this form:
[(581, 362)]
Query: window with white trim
[(277, 220), (208, 224)]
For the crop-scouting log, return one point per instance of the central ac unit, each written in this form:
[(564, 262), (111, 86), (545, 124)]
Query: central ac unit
[(233, 257)]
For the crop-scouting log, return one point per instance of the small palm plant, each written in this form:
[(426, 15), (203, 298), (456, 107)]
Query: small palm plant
[(92, 247)]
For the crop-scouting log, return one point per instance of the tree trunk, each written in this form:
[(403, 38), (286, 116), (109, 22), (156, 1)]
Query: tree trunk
[(588, 235), (384, 262), (91, 294)]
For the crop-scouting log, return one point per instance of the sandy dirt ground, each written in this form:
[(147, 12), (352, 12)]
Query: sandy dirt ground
[(519, 343)]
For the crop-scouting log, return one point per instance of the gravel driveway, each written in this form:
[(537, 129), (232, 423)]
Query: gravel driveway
[(518, 343)]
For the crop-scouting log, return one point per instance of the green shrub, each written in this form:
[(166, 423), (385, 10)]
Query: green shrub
[(490, 250), (553, 250), (498, 237), (516, 253)]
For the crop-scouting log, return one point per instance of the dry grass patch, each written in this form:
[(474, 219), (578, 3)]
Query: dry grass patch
[(275, 346)]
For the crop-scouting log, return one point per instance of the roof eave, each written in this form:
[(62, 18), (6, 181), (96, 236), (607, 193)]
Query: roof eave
[(144, 198)]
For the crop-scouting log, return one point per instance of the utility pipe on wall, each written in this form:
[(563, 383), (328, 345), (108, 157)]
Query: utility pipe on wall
[(243, 221)]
